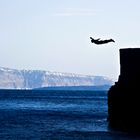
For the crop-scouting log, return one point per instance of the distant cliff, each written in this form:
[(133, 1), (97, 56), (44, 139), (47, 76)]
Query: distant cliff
[(29, 79)]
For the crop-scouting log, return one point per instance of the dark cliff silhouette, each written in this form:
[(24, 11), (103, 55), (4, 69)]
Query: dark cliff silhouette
[(99, 42), (124, 96)]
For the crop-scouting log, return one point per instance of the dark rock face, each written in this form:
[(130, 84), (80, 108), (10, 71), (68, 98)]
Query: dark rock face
[(124, 96)]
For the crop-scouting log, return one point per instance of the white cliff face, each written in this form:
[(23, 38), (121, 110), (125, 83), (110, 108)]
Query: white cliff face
[(29, 79)]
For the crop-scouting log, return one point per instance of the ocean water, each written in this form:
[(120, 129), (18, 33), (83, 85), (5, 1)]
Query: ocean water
[(28, 114)]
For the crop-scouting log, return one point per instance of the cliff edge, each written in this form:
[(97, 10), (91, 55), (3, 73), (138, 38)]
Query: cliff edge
[(124, 96)]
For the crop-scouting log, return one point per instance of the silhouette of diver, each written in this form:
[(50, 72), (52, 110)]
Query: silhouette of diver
[(99, 42)]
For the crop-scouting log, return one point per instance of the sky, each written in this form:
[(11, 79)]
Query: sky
[(53, 35)]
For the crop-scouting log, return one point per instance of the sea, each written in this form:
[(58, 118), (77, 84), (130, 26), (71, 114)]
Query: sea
[(56, 115)]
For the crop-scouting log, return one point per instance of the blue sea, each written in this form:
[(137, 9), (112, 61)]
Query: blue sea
[(46, 115)]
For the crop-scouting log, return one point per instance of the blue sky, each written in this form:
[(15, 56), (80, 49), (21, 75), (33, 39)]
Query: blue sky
[(54, 34)]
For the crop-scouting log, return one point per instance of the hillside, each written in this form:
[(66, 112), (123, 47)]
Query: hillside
[(29, 79)]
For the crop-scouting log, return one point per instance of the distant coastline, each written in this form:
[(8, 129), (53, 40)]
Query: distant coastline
[(65, 88), (78, 88), (31, 79)]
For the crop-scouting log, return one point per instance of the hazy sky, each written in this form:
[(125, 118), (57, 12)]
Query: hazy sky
[(54, 34)]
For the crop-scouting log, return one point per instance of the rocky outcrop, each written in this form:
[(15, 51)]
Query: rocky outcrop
[(29, 79), (124, 96)]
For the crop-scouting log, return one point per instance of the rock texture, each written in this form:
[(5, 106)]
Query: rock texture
[(29, 79), (124, 96)]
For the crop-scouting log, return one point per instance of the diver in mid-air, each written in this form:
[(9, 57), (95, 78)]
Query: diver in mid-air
[(99, 42)]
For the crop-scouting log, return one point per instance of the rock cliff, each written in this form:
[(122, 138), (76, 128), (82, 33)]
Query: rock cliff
[(29, 79), (124, 96)]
